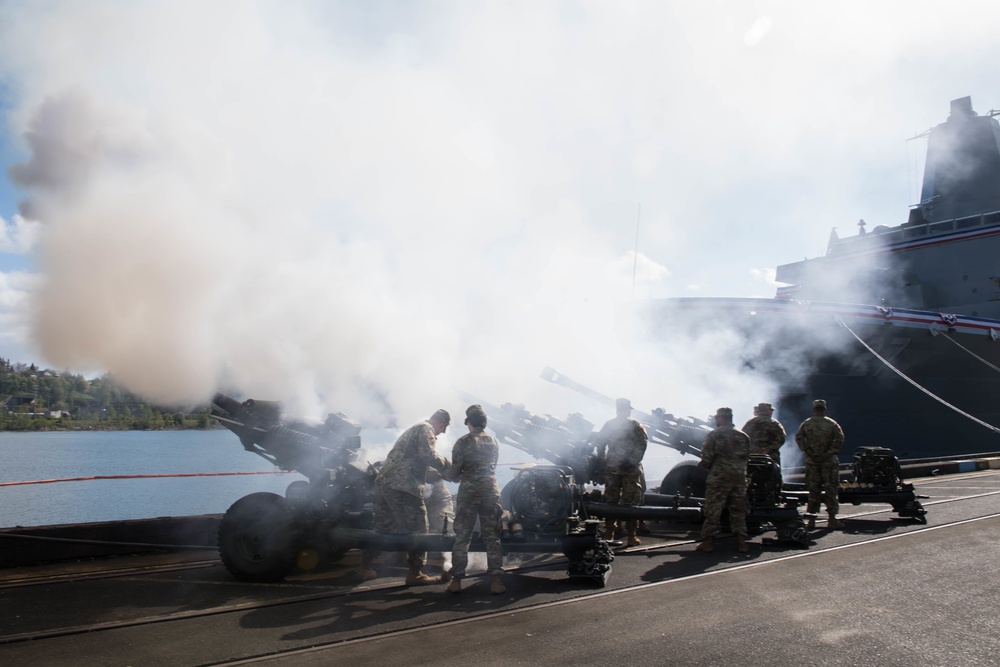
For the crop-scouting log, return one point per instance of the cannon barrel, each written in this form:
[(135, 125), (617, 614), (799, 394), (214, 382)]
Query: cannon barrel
[(685, 434), (568, 442), (310, 449)]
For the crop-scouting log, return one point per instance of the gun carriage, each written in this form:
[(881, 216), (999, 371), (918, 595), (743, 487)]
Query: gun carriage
[(876, 478)]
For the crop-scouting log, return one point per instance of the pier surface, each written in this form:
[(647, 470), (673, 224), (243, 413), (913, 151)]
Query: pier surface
[(883, 591)]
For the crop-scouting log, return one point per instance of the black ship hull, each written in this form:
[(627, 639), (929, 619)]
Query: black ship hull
[(907, 380)]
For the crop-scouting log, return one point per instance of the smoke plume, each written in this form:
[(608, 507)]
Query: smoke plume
[(366, 212)]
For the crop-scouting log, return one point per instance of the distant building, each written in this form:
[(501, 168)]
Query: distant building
[(20, 403)]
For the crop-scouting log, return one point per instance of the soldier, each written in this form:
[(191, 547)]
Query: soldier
[(821, 438), (725, 454), (399, 492), (624, 441), (474, 460), (767, 435)]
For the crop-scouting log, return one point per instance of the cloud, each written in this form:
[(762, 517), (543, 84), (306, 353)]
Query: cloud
[(19, 236), (16, 291)]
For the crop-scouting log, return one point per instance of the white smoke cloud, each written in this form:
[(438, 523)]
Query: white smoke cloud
[(347, 209)]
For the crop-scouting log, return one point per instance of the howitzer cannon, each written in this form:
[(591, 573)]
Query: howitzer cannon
[(263, 536), (573, 444), (684, 434)]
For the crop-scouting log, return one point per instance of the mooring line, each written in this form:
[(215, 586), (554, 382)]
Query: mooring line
[(914, 382)]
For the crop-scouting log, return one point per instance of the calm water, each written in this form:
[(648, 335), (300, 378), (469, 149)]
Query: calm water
[(41, 456)]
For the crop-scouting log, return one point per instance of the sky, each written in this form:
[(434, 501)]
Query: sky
[(366, 207)]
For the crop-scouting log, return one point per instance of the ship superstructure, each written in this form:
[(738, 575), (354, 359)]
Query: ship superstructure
[(897, 327)]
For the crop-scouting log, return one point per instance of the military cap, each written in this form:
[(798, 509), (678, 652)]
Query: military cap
[(764, 406), (724, 412), (819, 403), (475, 415), (623, 404), (442, 415)]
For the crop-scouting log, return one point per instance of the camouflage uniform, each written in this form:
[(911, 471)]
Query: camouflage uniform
[(399, 493), (821, 439), (725, 453), (767, 435), (625, 441), (474, 461)]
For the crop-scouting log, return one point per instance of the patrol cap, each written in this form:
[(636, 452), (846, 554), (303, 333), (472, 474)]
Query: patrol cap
[(623, 404), (724, 412), (475, 415), (764, 406), (441, 416), (819, 403)]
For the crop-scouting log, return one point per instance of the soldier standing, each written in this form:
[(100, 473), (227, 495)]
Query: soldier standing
[(767, 435), (624, 441), (474, 460), (821, 438), (399, 492), (725, 454)]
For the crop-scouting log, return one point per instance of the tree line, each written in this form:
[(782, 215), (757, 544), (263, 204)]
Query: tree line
[(36, 399)]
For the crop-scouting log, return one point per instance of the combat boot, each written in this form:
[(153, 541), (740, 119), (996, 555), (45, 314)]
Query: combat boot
[(455, 586), (705, 546), (417, 578), (834, 523), (496, 586), (633, 541), (811, 523), (365, 571), (741, 544)]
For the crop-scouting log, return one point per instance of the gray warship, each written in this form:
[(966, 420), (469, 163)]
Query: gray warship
[(897, 327)]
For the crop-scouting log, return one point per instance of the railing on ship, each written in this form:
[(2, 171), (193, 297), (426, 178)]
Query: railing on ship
[(909, 231)]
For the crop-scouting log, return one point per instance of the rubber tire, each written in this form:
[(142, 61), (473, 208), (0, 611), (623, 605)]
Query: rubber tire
[(684, 475), (257, 538)]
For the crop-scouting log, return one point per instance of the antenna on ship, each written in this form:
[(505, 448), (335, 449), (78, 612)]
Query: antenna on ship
[(913, 166)]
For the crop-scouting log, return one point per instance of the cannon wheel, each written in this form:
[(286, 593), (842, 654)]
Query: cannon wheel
[(685, 478), (257, 538)]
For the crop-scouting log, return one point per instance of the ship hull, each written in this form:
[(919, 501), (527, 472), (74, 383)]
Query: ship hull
[(919, 382)]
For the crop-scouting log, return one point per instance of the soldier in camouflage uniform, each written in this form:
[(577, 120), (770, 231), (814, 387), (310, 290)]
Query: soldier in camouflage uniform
[(767, 435), (725, 454), (821, 438), (622, 441), (399, 492), (474, 460)]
